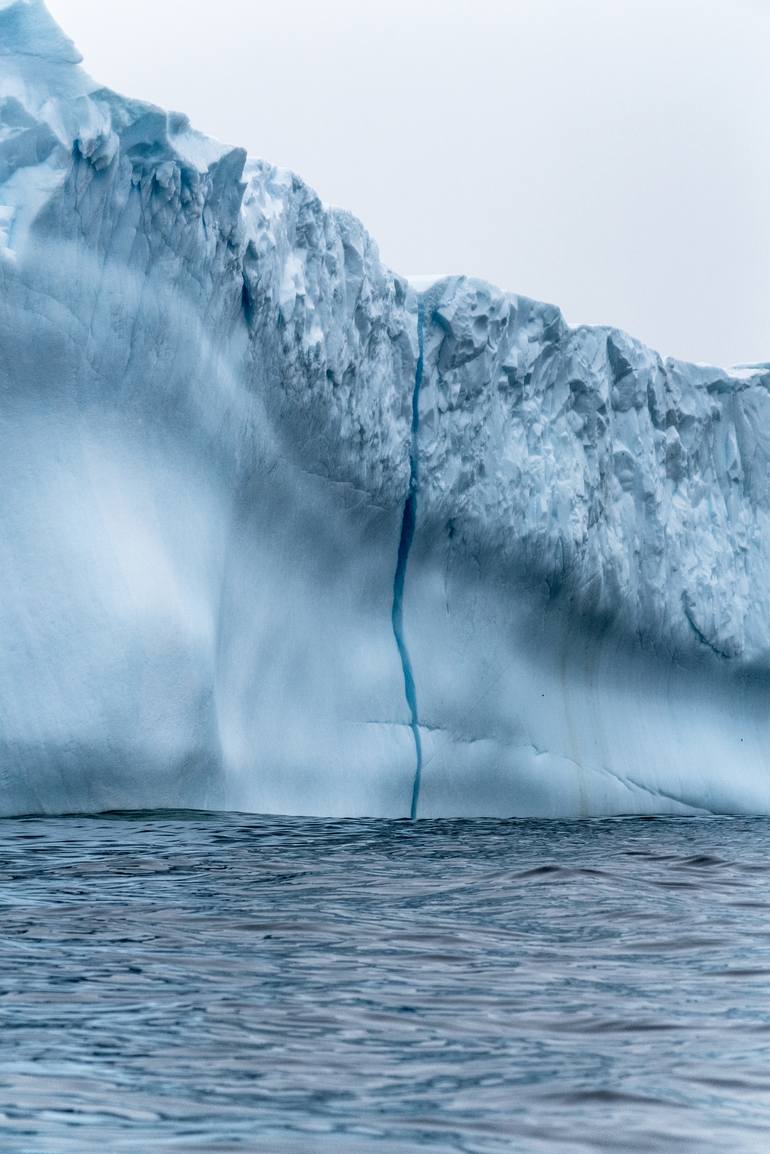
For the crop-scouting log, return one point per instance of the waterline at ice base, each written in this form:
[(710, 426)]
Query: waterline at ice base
[(280, 533)]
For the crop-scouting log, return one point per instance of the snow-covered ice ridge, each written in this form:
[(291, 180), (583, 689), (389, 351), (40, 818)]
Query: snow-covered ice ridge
[(280, 533)]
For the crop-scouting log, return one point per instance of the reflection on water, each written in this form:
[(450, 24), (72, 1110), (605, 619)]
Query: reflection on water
[(222, 983)]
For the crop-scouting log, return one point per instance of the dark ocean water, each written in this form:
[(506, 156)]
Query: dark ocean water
[(226, 983)]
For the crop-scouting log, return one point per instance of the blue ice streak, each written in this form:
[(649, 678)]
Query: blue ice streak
[(408, 525)]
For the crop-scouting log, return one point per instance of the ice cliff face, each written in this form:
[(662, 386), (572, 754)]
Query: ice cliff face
[(593, 554), (280, 533)]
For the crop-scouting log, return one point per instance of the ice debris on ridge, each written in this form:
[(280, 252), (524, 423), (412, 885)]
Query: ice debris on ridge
[(636, 485), (264, 499)]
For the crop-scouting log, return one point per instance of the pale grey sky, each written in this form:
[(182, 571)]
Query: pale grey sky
[(611, 156)]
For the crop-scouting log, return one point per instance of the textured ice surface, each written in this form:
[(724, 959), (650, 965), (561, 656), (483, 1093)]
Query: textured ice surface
[(280, 532)]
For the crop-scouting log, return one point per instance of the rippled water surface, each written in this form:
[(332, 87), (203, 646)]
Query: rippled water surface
[(225, 983)]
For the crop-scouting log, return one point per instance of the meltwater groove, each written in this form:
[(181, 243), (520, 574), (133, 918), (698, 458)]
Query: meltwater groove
[(408, 525)]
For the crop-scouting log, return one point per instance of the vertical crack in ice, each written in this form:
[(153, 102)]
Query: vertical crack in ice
[(404, 546)]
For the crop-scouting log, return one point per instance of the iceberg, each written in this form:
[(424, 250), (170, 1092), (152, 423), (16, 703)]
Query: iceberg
[(284, 532)]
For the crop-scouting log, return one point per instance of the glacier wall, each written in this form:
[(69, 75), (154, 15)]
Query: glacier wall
[(592, 554), (280, 533)]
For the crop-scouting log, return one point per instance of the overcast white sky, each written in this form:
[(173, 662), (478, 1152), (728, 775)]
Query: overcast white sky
[(612, 156)]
